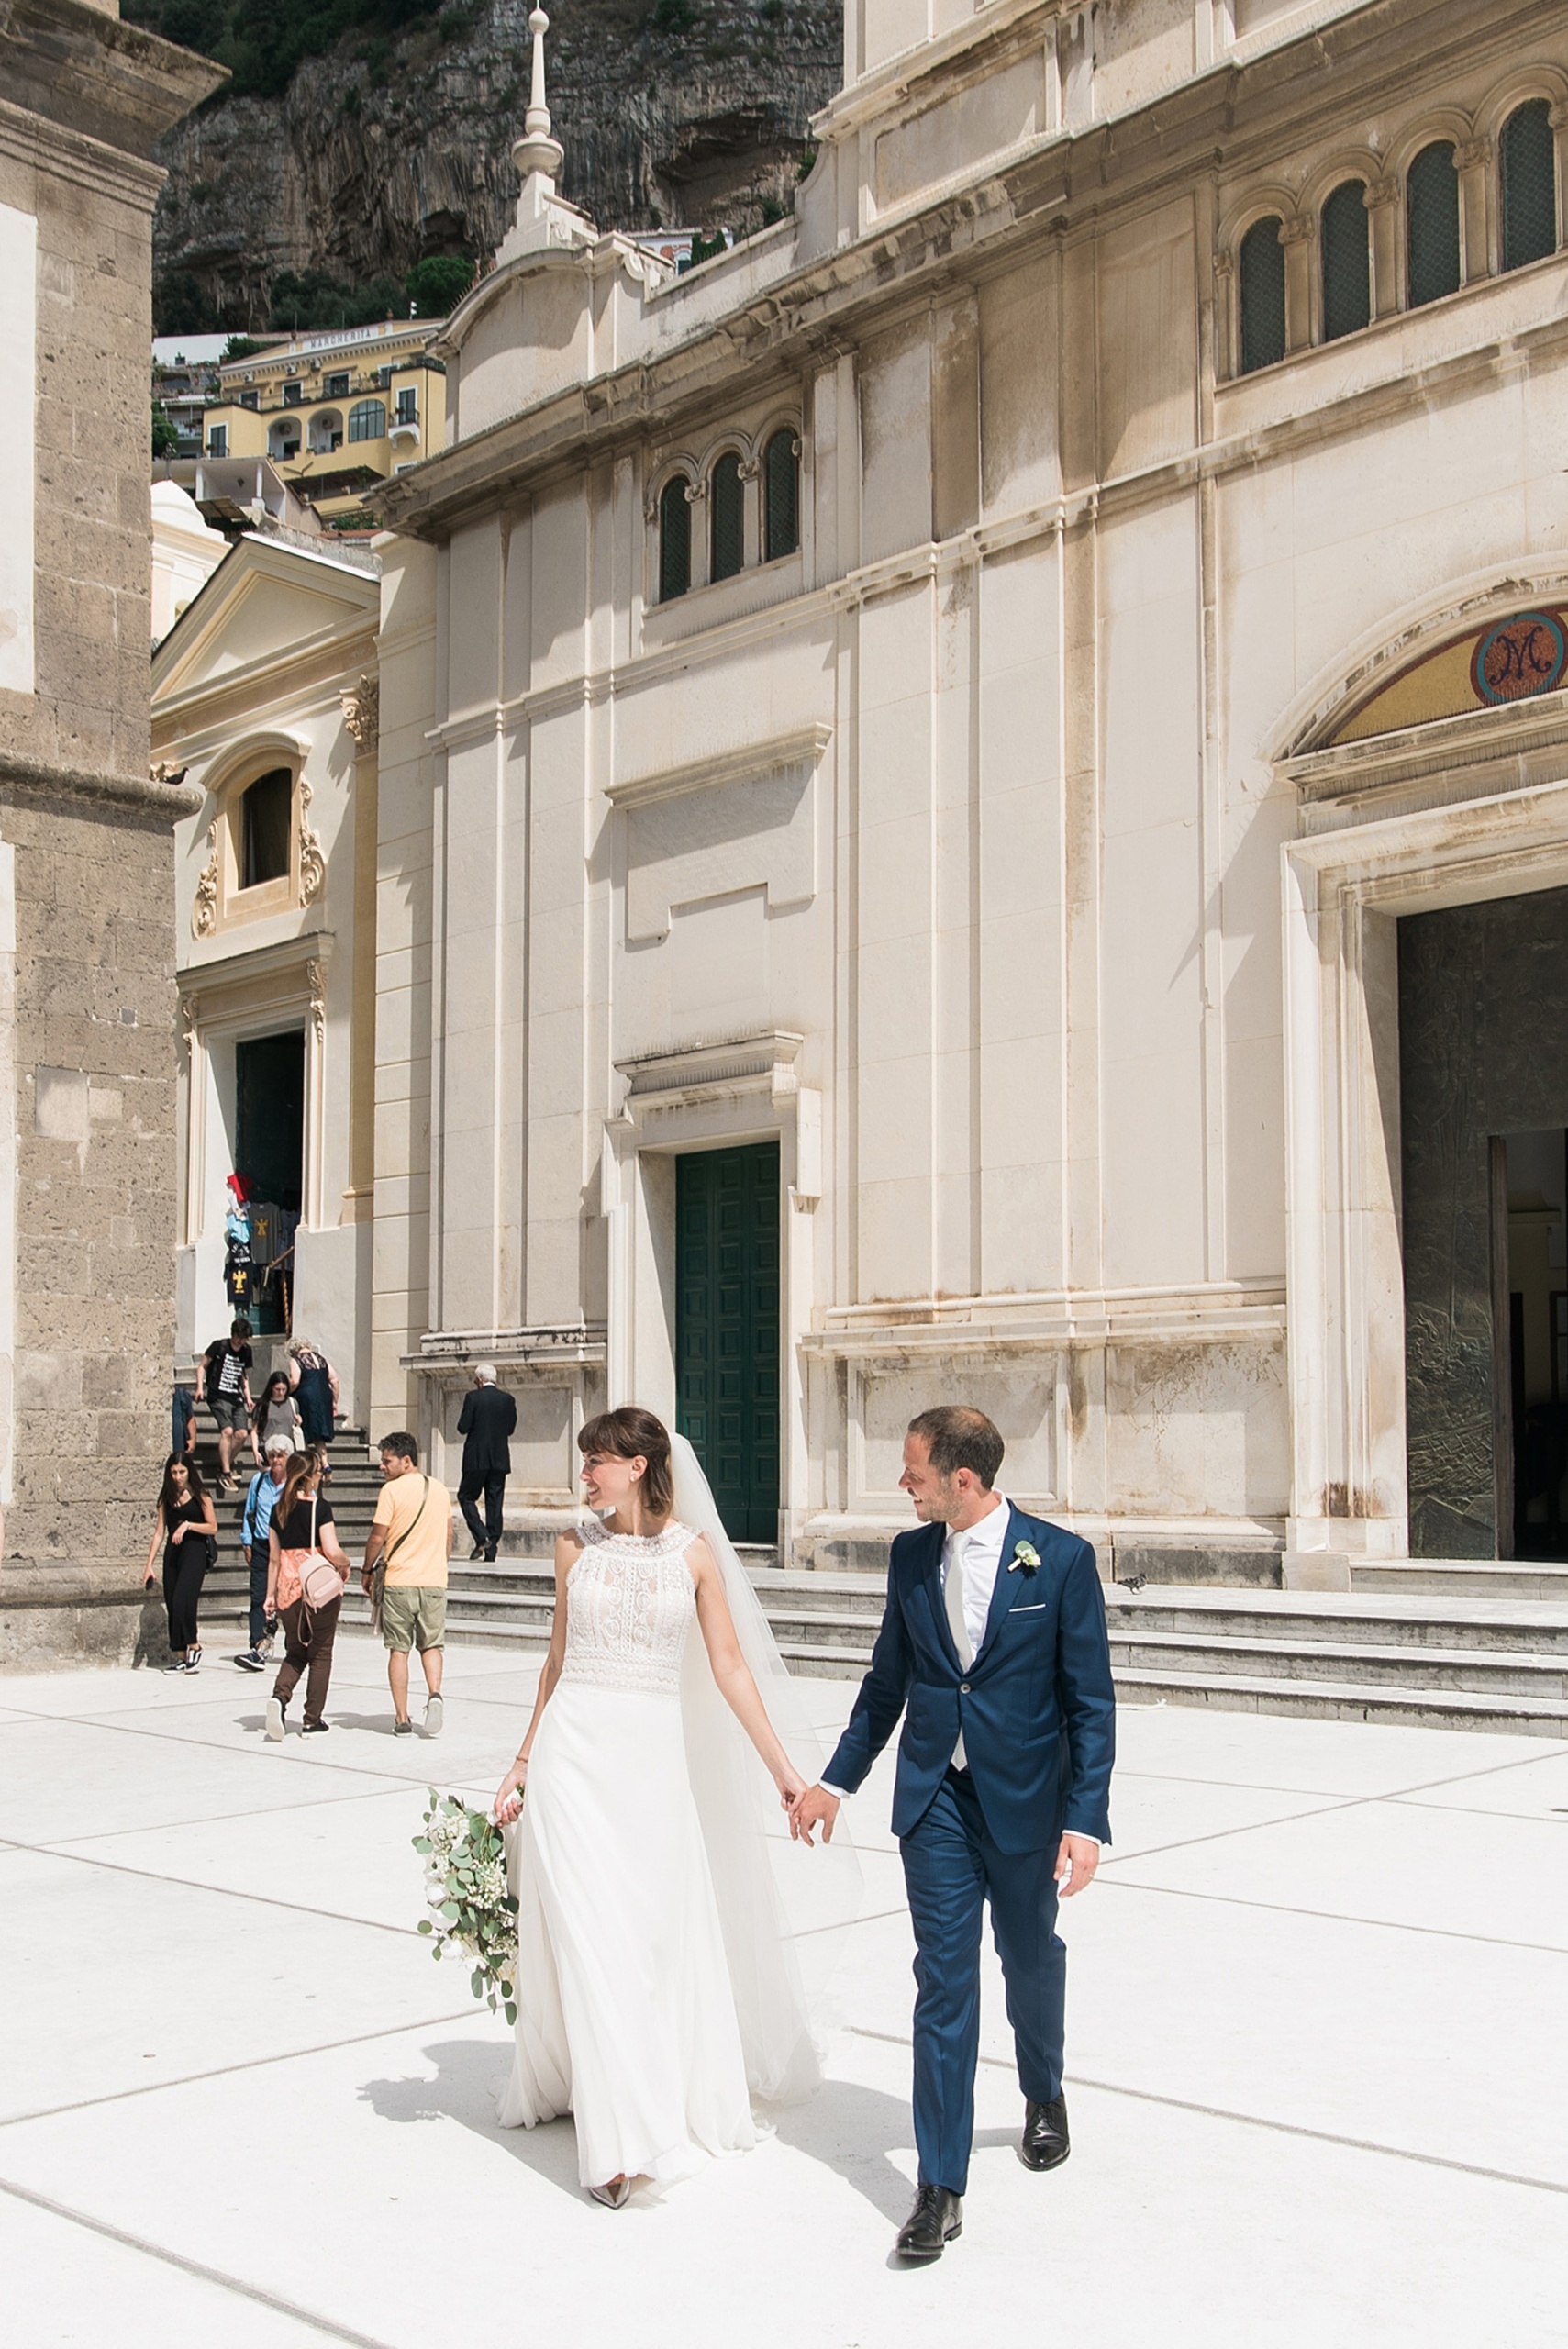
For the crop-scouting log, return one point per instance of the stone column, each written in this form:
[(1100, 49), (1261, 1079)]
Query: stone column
[(1559, 120), (361, 714), (1473, 164), (1297, 237), (1382, 201)]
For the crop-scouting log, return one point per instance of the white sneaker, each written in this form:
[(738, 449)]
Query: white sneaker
[(275, 1721), (435, 1713)]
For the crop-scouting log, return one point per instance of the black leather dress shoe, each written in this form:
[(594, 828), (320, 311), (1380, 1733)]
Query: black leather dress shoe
[(935, 2219), (1045, 2145)]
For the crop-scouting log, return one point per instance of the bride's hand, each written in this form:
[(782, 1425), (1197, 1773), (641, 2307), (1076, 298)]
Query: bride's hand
[(508, 1802), (791, 1786)]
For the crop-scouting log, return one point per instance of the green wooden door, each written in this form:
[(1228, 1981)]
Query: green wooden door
[(726, 1328)]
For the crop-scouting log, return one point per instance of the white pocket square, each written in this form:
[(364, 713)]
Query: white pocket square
[(1037, 1609)]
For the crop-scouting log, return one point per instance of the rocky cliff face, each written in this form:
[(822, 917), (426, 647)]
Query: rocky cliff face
[(696, 114)]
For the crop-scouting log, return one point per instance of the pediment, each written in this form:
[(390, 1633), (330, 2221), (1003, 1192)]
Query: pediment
[(263, 603), (1514, 656)]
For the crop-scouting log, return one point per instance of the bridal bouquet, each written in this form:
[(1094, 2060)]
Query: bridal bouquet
[(473, 1914)]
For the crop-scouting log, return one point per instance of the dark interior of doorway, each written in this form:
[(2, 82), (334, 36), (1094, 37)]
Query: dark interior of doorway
[(726, 1328), (1536, 1374), (269, 1147)]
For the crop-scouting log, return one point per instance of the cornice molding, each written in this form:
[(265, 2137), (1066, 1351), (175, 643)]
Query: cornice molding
[(35, 779), (802, 748)]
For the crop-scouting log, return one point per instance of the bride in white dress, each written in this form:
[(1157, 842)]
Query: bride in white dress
[(658, 1974)]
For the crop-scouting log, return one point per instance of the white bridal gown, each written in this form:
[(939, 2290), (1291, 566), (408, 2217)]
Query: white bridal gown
[(625, 2013)]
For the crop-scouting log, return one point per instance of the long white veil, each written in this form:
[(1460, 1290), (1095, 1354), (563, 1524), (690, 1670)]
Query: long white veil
[(781, 1906)]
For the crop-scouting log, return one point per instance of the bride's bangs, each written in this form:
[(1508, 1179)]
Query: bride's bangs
[(632, 1434)]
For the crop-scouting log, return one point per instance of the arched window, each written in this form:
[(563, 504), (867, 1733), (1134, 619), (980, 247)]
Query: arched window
[(1261, 282), (367, 420), (727, 523), (326, 431), (1347, 262), (780, 496), (1431, 223), (1527, 155), (266, 815), (674, 539), (282, 437)]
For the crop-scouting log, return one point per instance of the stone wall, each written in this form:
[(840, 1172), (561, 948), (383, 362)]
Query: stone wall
[(87, 1051)]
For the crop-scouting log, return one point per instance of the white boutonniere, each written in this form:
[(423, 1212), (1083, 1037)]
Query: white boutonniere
[(1025, 1557)]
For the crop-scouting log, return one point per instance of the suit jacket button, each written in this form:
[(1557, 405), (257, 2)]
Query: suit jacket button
[(963, 1687)]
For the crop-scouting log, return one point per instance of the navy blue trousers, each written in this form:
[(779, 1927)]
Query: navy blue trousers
[(950, 1869)]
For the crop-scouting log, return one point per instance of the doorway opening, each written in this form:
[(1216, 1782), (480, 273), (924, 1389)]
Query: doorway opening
[(726, 1328), (1533, 1380), (269, 1152)]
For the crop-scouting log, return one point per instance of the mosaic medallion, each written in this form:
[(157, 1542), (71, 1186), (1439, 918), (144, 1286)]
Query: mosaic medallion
[(1519, 658)]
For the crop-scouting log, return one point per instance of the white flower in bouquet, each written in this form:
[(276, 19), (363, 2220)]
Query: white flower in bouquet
[(465, 1887)]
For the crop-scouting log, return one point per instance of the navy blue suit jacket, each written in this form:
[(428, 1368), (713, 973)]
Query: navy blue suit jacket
[(1036, 1707)]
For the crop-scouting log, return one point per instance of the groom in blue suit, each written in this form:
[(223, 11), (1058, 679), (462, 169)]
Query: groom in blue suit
[(992, 1646)]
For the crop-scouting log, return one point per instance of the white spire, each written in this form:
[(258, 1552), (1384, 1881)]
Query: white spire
[(538, 152)]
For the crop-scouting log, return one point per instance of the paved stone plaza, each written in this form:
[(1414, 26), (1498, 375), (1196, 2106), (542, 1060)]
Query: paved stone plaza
[(1317, 2064)]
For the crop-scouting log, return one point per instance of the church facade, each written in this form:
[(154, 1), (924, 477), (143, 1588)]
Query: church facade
[(974, 799)]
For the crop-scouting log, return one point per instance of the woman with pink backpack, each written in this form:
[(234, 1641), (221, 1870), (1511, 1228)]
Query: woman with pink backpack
[(305, 1573)]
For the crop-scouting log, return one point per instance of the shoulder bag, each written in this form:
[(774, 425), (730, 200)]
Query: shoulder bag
[(378, 1572), (320, 1580)]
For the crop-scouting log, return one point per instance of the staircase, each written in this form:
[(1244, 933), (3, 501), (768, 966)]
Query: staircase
[(1435, 1643), (226, 1594)]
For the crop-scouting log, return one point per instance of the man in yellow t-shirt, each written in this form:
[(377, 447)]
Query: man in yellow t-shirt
[(411, 1532)]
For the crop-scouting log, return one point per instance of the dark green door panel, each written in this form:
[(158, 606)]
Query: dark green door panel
[(726, 1328)]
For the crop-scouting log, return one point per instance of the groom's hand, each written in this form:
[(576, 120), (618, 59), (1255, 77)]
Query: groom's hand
[(813, 1808), (1077, 1861)]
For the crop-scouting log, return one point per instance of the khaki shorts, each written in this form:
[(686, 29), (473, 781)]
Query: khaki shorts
[(413, 1616)]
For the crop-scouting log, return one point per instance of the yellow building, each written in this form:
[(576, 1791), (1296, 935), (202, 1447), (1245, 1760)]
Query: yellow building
[(336, 412)]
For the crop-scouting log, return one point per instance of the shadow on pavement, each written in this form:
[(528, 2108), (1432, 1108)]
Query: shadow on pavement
[(851, 2130)]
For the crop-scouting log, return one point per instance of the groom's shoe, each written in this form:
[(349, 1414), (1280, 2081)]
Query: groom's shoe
[(1045, 2145), (935, 2220)]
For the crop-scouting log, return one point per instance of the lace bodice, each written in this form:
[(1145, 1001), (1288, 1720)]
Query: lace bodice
[(630, 1604)]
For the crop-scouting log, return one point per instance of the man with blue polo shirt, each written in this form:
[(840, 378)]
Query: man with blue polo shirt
[(254, 1526)]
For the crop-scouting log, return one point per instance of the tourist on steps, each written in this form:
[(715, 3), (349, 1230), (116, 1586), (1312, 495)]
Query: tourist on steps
[(266, 1486), (315, 1385), (487, 1423), (300, 1534)]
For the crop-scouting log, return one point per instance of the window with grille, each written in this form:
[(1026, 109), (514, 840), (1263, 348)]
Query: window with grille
[(727, 523), (780, 496), (1432, 224), (218, 440), (265, 813), (1347, 262), (1261, 282), (409, 405), (674, 539), (367, 420), (1528, 158)]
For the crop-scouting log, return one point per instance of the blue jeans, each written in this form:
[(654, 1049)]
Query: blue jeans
[(259, 1619), (950, 1869)]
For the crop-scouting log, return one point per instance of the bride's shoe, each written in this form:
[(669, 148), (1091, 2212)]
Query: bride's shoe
[(615, 2196)]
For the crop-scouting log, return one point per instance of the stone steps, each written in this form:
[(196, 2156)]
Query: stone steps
[(1485, 1657), (1508, 1578), (1344, 1700)]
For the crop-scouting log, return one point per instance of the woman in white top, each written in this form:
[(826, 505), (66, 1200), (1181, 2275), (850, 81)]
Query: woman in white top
[(656, 1977)]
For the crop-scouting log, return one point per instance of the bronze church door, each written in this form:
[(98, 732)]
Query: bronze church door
[(726, 1328)]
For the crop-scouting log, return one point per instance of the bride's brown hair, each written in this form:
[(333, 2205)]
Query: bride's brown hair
[(632, 1434)]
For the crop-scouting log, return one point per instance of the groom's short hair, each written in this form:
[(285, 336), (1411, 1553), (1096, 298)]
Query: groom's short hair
[(957, 1436)]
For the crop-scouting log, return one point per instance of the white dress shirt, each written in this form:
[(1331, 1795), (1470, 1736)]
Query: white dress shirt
[(977, 1553)]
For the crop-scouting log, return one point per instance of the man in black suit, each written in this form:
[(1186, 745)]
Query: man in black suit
[(488, 1417)]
